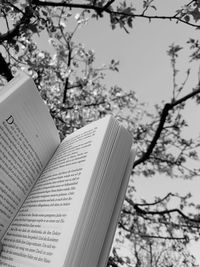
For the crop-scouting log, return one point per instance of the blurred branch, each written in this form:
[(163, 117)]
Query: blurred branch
[(15, 7), (139, 210), (6, 19), (153, 236), (15, 32), (150, 204), (108, 4), (163, 212), (164, 237)]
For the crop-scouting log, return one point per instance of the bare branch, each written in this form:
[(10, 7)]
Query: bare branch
[(5, 69), (163, 117), (152, 236), (6, 19), (108, 4), (138, 209), (164, 237), (15, 7), (98, 9), (149, 204), (153, 143), (163, 212), (186, 97)]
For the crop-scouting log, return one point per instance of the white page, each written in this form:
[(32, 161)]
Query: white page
[(46, 222), (103, 259), (112, 178), (93, 196), (28, 138)]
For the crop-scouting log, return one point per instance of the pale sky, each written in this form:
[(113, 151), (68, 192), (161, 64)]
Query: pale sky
[(144, 64)]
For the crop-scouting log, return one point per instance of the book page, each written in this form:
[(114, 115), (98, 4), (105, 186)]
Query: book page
[(111, 185), (28, 138), (43, 229), (103, 258)]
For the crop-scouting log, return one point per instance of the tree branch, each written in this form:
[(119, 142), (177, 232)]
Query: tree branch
[(163, 212), (185, 98), (157, 134), (163, 117), (108, 4), (149, 204), (139, 210), (153, 236), (106, 9), (15, 7), (160, 213), (164, 237), (171, 18), (68, 65), (15, 32), (5, 69), (98, 9)]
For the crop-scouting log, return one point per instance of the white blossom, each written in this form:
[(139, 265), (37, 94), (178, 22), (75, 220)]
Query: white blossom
[(77, 16)]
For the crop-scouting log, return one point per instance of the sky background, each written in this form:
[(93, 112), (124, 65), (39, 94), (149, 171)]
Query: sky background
[(145, 68), (144, 64)]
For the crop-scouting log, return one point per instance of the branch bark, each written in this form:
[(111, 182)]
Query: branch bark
[(10, 35), (165, 112), (5, 69), (153, 236), (163, 212), (106, 8), (67, 79), (150, 204), (139, 210)]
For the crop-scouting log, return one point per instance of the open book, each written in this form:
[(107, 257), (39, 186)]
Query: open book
[(59, 201)]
